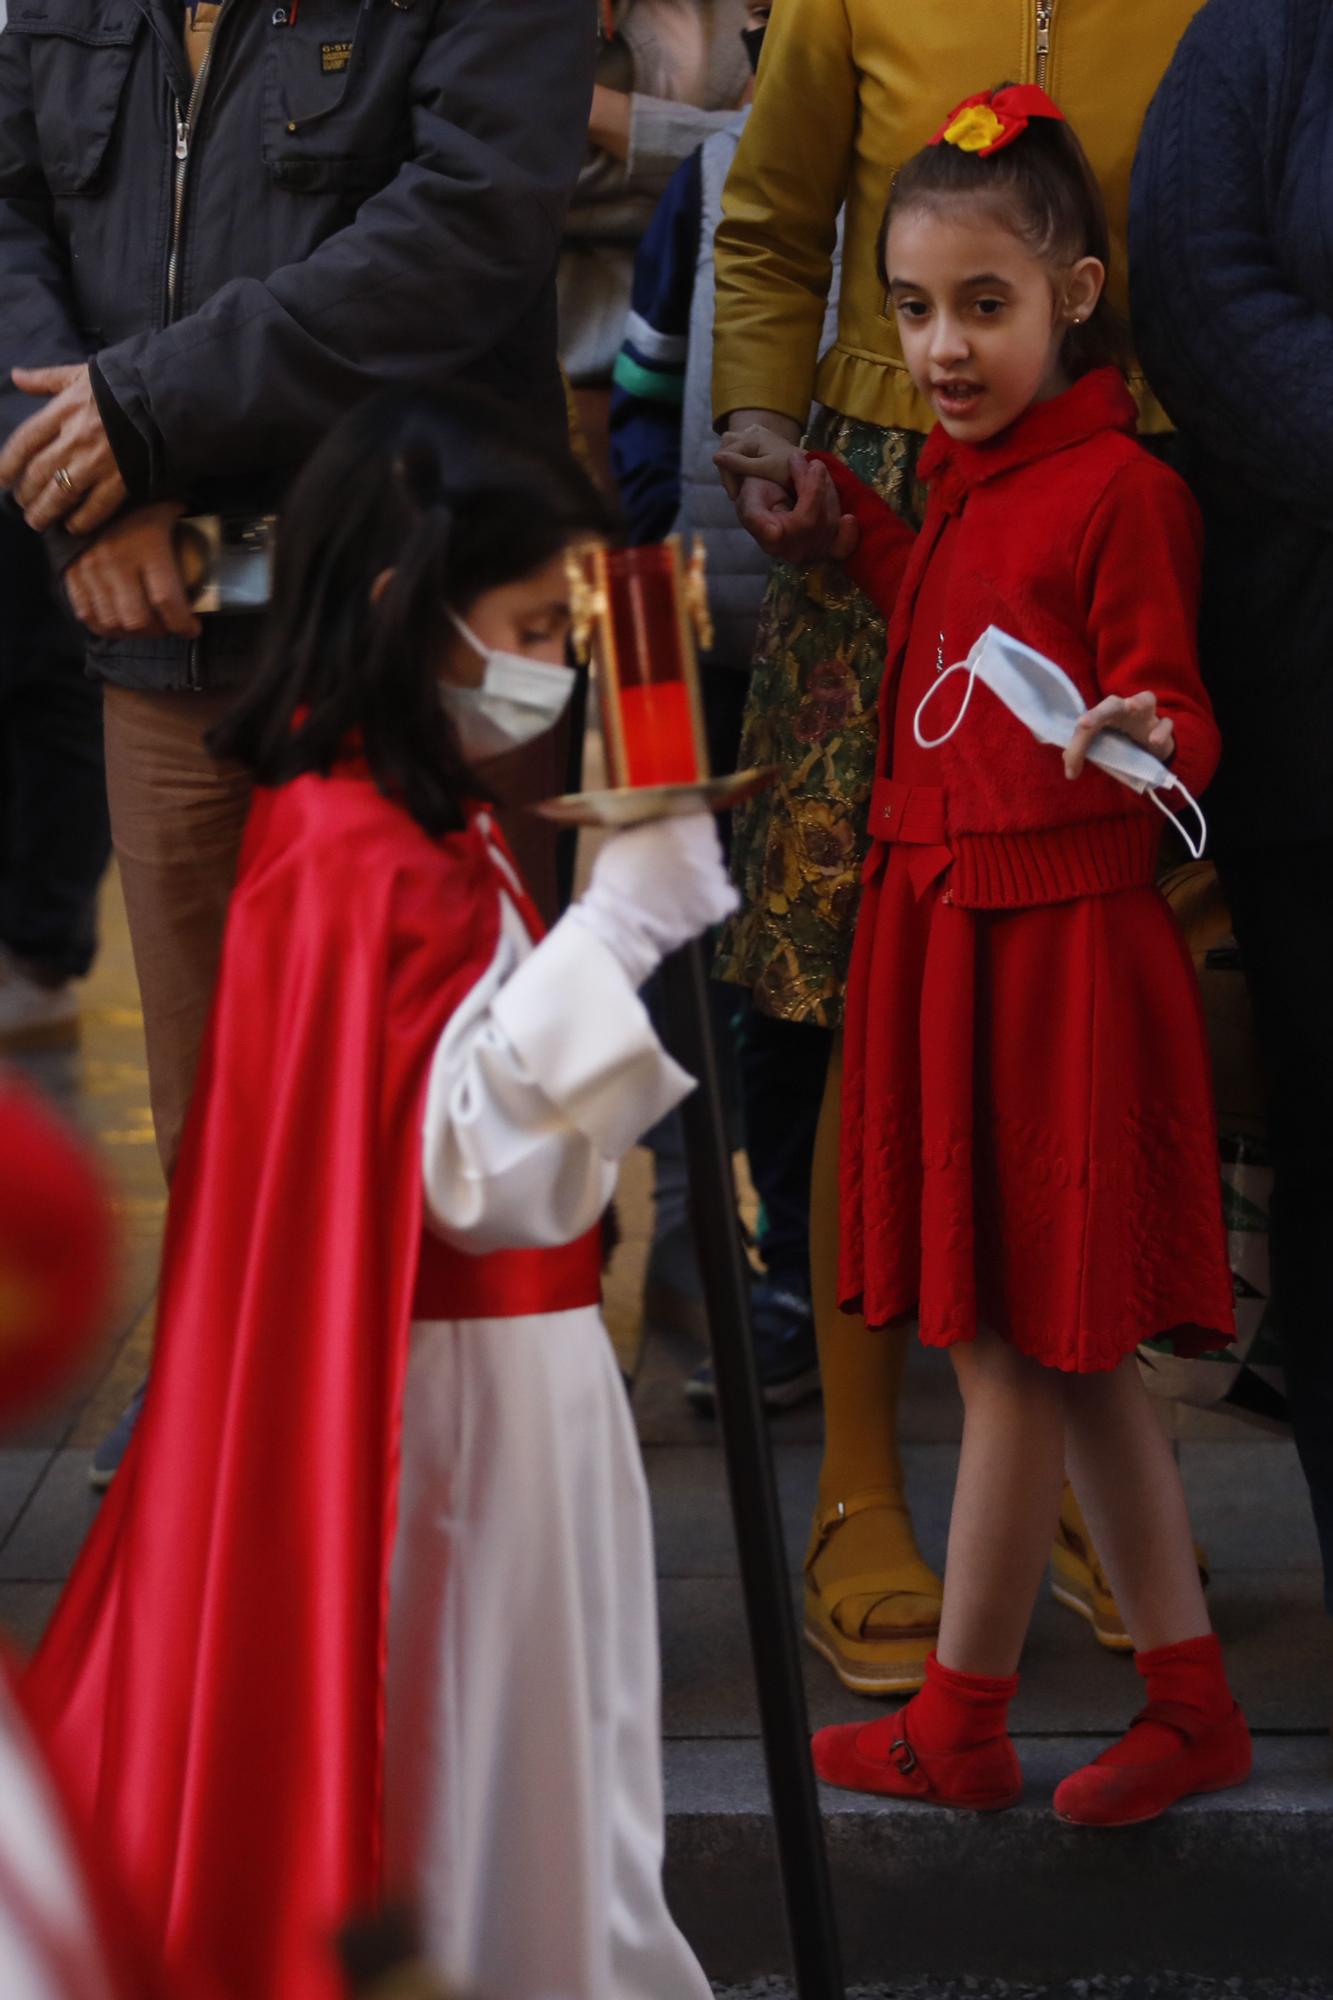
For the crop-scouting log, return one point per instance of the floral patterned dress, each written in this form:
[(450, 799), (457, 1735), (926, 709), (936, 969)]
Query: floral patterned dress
[(797, 849)]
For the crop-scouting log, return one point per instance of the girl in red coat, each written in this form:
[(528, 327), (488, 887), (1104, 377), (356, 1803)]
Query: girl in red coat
[(1029, 1158)]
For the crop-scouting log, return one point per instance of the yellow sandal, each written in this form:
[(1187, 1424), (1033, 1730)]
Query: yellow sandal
[(873, 1657), (1079, 1582)]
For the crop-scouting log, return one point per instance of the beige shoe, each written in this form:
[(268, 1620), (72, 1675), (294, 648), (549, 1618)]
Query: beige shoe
[(32, 1014)]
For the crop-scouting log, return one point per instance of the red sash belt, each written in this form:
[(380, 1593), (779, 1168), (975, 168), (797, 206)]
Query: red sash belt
[(506, 1284)]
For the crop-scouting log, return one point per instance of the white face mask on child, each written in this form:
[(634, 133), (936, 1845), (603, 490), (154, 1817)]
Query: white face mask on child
[(517, 699), (1046, 701)]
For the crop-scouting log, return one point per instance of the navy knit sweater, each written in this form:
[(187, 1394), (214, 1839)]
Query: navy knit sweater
[(1231, 256)]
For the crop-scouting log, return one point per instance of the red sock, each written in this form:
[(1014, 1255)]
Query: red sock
[(956, 1711), (1190, 1675)]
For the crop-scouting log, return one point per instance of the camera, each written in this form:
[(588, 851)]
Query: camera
[(226, 560)]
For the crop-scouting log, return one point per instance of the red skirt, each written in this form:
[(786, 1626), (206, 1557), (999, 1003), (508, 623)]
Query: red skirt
[(1029, 1138)]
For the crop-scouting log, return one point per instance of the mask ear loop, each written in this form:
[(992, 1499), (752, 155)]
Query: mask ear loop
[(1195, 847), (466, 632), (933, 742)]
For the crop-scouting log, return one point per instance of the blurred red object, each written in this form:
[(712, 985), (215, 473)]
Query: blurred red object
[(55, 1248)]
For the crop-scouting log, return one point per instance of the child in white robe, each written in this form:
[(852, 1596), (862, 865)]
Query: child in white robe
[(369, 1612)]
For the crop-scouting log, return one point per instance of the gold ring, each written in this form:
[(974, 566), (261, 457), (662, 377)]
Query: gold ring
[(63, 480)]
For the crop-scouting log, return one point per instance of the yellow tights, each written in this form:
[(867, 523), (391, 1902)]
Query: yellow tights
[(872, 1542)]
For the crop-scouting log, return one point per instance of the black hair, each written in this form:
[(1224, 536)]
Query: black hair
[(456, 502), (1042, 187)]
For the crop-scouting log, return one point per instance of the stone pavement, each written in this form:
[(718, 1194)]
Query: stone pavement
[(1235, 1885)]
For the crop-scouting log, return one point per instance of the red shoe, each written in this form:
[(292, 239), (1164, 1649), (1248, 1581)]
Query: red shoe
[(878, 1757), (1145, 1779)]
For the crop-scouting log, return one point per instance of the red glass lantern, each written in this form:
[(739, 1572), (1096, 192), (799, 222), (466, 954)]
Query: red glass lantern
[(637, 613), (648, 682)]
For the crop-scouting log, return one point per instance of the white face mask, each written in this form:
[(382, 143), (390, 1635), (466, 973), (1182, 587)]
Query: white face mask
[(518, 699), (1046, 701)]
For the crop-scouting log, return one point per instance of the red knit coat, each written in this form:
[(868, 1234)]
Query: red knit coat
[(1028, 1135), (1077, 541)]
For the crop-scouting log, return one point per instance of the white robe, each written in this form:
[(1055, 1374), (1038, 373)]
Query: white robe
[(523, 1791), (49, 1947)]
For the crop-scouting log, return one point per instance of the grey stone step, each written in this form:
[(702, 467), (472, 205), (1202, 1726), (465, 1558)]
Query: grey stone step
[(1234, 1886), (1247, 1499), (1095, 1986), (1248, 1503), (1279, 1657)]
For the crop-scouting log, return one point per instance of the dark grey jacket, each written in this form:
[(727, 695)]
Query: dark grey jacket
[(1231, 262), (371, 194)]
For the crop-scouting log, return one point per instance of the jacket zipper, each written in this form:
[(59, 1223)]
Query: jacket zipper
[(186, 122), (1045, 16)]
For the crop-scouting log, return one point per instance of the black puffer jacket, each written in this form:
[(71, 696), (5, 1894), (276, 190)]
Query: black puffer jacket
[(363, 192)]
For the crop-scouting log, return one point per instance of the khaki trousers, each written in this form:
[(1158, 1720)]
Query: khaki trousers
[(176, 821)]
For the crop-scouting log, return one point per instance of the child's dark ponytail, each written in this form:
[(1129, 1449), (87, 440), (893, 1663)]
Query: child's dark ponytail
[(1043, 188)]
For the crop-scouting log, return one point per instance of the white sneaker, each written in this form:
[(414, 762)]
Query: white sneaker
[(33, 1015)]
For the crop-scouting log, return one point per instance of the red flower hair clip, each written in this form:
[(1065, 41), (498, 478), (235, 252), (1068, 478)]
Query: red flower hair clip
[(992, 120)]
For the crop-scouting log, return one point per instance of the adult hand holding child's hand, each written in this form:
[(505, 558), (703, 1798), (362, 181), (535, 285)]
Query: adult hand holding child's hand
[(1135, 717), (786, 501)]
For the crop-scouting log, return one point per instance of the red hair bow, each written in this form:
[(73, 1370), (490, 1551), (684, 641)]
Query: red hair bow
[(985, 124)]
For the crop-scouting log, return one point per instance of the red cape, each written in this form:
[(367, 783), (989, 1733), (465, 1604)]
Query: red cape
[(211, 1686)]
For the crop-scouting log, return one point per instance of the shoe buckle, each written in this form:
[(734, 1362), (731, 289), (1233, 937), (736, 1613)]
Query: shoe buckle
[(903, 1755)]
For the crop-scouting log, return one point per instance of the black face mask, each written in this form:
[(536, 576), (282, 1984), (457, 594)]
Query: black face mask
[(753, 39)]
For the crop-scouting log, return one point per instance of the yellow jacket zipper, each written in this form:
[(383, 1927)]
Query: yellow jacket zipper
[(1045, 16)]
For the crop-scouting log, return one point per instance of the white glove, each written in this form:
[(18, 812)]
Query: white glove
[(654, 888)]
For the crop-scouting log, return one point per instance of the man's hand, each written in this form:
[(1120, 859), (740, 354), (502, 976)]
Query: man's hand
[(129, 583), (1136, 718), (68, 438)]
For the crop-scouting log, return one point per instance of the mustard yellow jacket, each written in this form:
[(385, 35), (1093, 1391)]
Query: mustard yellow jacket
[(848, 90)]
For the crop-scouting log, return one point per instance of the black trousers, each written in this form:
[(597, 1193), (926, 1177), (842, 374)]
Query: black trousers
[(54, 836), (1282, 909)]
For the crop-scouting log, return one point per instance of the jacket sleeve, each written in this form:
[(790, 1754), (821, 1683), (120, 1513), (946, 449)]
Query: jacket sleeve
[(648, 381), (779, 228), (881, 556), (1240, 357), (1138, 577), (662, 133), (37, 320), (437, 267)]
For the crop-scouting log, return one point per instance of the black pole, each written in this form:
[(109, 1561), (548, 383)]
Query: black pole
[(567, 837), (754, 1501)]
